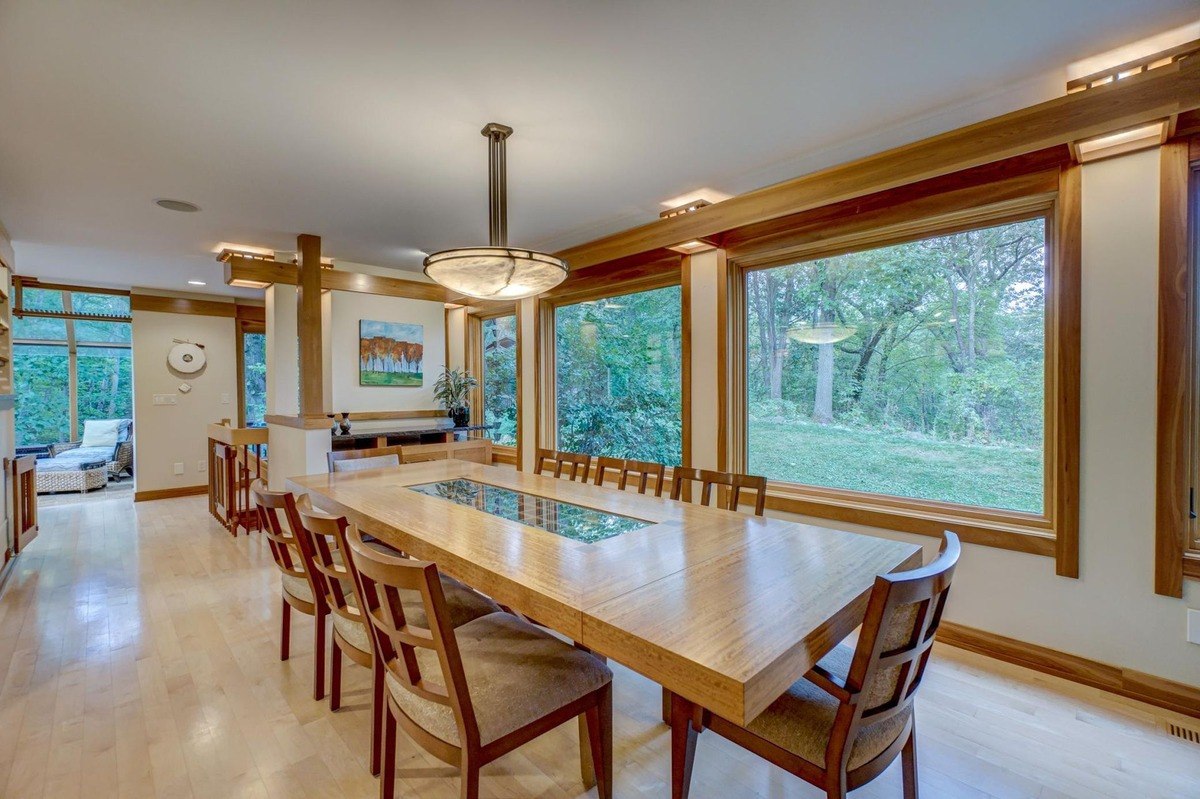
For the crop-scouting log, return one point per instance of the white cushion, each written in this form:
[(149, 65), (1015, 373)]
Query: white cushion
[(101, 432)]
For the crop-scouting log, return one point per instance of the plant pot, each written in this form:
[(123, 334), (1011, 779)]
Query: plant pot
[(461, 416)]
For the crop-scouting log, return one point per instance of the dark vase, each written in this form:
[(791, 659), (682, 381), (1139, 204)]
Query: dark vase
[(345, 425), (461, 416)]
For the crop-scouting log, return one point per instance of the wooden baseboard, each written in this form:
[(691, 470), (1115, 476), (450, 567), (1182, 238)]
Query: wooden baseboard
[(1129, 683), (169, 493)]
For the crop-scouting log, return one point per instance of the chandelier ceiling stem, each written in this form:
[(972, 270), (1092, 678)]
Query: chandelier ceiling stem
[(497, 183), (497, 271)]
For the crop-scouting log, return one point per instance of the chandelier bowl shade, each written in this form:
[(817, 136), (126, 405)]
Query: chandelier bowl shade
[(501, 273), (819, 332)]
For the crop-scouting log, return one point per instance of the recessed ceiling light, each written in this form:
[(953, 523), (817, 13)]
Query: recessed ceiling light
[(197, 283), (177, 205)]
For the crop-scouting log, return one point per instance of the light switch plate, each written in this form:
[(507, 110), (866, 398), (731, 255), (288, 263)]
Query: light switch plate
[(201, 466), (1193, 626), (166, 399), (178, 468)]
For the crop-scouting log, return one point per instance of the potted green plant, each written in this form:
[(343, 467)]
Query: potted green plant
[(453, 389)]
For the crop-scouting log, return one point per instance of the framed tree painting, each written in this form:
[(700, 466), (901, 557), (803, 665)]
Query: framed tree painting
[(390, 354)]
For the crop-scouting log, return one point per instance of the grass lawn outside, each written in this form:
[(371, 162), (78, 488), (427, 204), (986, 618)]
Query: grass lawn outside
[(391, 379), (899, 464)]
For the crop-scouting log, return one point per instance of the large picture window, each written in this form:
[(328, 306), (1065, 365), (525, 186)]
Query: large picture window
[(910, 360), (914, 370), (618, 375), (498, 342), (71, 362)]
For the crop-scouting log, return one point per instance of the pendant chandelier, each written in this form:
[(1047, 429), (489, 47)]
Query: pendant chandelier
[(496, 272)]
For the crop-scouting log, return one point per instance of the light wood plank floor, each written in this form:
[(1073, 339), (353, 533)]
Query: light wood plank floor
[(139, 657)]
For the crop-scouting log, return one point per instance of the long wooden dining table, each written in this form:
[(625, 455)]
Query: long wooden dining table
[(723, 608)]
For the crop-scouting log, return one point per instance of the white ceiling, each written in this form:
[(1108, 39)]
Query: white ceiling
[(359, 121)]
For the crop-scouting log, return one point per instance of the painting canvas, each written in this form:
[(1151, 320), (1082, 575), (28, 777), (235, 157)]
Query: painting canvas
[(390, 354)]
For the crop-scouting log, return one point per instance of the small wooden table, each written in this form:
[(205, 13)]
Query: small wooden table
[(722, 608)]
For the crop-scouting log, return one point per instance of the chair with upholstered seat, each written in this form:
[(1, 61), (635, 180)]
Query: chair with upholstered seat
[(845, 722), (472, 694), (638, 473), (730, 487), (578, 464), (297, 590), (353, 460), (323, 543)]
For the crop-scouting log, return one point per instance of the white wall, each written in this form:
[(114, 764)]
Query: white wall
[(350, 307), (1111, 613), (169, 434)]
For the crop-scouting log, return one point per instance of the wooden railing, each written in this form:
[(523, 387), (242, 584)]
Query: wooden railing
[(24, 500), (236, 458)]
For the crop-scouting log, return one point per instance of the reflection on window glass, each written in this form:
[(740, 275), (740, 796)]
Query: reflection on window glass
[(500, 378), (103, 332), (105, 384), (915, 370), (100, 304), (254, 355), (618, 378), (42, 385)]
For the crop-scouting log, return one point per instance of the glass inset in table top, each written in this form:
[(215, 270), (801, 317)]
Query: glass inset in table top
[(561, 518)]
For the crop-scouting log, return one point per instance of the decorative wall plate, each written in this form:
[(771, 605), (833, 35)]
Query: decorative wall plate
[(186, 357)]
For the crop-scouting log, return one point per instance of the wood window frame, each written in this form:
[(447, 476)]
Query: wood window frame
[(1041, 184), (248, 319), (473, 357), (1177, 446), (658, 270), (69, 317)]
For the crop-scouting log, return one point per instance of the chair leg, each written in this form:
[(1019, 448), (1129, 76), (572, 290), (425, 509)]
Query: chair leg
[(377, 710), (285, 633), (469, 774), (666, 707), (335, 676), (387, 778), (683, 746), (599, 722), (319, 656), (908, 761)]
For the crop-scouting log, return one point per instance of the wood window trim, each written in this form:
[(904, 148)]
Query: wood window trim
[(1177, 390), (248, 324), (602, 282), (473, 357), (973, 202)]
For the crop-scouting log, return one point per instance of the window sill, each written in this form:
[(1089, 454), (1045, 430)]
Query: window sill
[(1012, 530), (503, 454), (1191, 566)]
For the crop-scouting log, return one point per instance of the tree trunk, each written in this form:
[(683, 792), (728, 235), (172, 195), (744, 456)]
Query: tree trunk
[(823, 405)]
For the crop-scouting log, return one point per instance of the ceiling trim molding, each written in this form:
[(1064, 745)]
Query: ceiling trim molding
[(1161, 93)]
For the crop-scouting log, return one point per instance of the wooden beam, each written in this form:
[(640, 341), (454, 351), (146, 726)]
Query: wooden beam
[(257, 270), (309, 326), (1157, 94), (181, 305)]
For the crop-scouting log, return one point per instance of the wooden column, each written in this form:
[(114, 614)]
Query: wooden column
[(308, 325)]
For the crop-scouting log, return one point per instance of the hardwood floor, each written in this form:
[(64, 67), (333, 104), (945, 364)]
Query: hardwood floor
[(139, 658)]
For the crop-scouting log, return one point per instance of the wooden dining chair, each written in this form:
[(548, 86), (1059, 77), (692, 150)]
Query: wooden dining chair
[(295, 581), (579, 464), (472, 694), (323, 539), (846, 720), (353, 460), (733, 484), (641, 472)]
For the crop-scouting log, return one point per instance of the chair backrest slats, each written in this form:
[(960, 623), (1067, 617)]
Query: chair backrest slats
[(579, 464), (730, 483), (323, 537), (638, 472), (284, 546), (902, 618), (381, 579)]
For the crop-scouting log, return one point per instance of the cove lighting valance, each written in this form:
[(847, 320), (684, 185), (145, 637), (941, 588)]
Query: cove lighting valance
[(496, 271)]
